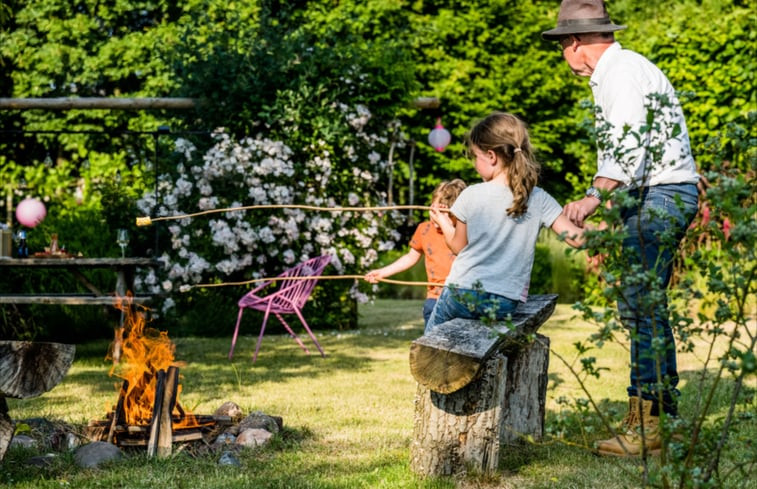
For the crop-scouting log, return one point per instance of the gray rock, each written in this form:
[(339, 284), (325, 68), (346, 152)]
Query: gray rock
[(254, 437), (42, 461), (228, 458), (261, 420), (23, 441), (96, 453), (224, 439), (230, 409), (71, 441)]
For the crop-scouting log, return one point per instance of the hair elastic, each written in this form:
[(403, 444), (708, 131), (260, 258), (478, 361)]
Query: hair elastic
[(517, 150)]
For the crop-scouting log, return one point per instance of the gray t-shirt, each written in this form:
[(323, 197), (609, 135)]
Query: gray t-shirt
[(500, 249)]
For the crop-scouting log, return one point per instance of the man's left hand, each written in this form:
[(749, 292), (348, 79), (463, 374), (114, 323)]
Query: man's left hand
[(579, 210)]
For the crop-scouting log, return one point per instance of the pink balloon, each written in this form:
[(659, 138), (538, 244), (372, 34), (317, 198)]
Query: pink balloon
[(30, 212)]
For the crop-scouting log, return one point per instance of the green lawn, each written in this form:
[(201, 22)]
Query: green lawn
[(347, 417)]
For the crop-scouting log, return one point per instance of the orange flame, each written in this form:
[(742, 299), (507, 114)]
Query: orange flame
[(144, 352)]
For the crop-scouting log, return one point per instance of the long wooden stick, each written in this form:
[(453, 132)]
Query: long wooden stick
[(186, 288), (146, 220)]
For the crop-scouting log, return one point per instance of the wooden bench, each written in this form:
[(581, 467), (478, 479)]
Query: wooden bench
[(479, 387), (124, 269)]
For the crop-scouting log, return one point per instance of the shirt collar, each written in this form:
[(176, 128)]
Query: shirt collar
[(604, 63)]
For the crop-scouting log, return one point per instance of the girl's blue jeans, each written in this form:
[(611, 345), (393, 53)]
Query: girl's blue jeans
[(428, 306), (469, 304), (655, 227)]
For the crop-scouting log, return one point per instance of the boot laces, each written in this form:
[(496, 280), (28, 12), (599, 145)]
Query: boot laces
[(632, 420)]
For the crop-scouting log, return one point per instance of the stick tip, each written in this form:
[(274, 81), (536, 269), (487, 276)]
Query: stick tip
[(144, 221)]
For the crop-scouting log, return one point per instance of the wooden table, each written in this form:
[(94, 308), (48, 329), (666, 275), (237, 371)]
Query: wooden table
[(124, 269)]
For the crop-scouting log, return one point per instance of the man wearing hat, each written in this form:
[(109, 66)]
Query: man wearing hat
[(626, 86)]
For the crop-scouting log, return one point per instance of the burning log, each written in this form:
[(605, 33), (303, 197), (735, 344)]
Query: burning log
[(152, 444), (118, 413)]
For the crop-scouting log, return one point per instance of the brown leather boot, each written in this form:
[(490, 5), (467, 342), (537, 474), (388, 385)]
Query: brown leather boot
[(629, 442)]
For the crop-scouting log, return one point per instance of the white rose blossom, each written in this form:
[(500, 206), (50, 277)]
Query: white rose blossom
[(259, 170)]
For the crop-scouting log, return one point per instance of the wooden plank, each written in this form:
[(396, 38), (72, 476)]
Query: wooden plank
[(187, 436), (78, 262), (152, 443), (132, 442), (165, 430), (69, 299), (451, 355)]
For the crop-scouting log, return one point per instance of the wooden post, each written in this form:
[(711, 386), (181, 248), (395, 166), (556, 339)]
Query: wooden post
[(479, 386)]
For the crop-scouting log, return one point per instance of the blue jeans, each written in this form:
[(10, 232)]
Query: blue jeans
[(655, 227), (469, 304), (428, 306)]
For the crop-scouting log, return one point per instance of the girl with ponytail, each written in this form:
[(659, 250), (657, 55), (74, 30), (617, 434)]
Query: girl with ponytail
[(492, 226)]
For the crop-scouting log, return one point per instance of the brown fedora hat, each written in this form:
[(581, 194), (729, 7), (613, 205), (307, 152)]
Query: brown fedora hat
[(580, 17)]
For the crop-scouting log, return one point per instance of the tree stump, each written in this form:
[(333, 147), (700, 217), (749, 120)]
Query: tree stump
[(479, 387), (6, 427), (28, 369)]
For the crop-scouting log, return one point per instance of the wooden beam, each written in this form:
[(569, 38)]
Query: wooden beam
[(105, 103), (124, 103), (426, 103)]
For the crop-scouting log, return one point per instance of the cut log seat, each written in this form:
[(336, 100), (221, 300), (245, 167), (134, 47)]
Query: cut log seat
[(479, 387), (451, 355), (28, 369)]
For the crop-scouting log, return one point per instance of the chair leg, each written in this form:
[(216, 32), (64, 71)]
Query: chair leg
[(236, 332), (307, 328), (262, 330), (291, 333)]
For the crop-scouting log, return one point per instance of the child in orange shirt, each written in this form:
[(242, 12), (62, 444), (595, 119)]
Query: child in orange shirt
[(427, 240)]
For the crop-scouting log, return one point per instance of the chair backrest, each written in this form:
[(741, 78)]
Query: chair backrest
[(298, 291)]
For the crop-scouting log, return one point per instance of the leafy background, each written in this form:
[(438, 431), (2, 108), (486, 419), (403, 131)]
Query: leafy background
[(275, 68)]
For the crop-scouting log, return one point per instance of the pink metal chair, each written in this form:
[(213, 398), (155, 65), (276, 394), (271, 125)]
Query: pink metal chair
[(288, 298)]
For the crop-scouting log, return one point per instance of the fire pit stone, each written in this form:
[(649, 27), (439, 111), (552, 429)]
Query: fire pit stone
[(230, 409)]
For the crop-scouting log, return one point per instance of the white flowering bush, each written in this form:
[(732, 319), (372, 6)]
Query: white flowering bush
[(244, 244)]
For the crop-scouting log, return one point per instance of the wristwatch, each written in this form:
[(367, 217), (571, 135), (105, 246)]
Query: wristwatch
[(593, 192)]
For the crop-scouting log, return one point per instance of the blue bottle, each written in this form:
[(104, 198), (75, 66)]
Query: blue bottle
[(23, 248)]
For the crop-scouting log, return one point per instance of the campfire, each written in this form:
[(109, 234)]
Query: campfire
[(147, 411)]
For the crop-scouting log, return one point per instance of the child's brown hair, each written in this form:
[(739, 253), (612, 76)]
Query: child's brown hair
[(446, 192), (507, 136)]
